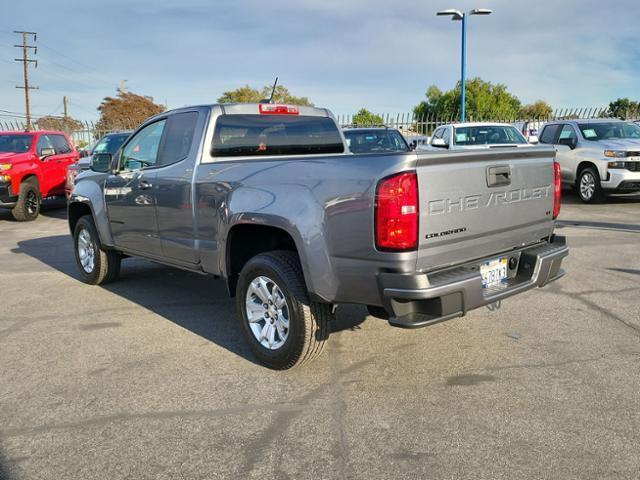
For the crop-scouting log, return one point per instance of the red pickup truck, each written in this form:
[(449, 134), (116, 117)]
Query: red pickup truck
[(33, 166)]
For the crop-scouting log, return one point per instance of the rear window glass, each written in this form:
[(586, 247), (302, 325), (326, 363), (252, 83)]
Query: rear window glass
[(260, 135)]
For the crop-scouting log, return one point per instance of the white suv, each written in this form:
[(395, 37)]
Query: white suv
[(596, 156)]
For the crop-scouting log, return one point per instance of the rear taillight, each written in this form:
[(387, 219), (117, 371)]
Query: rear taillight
[(279, 109), (557, 189), (397, 212)]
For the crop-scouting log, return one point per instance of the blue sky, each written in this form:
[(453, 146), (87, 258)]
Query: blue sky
[(343, 55)]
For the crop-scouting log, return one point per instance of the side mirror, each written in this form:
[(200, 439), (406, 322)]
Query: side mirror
[(569, 142), (533, 140), (100, 162), (439, 143), (46, 152)]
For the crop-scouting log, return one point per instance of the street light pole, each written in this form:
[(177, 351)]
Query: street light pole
[(463, 69), (457, 15)]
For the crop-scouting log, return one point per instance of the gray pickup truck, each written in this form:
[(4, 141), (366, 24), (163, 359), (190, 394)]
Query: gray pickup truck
[(269, 198)]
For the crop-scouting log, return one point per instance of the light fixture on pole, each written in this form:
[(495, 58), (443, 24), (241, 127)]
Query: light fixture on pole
[(458, 15)]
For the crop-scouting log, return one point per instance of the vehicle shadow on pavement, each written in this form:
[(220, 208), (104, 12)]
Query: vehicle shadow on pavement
[(4, 467), (570, 197), (195, 302)]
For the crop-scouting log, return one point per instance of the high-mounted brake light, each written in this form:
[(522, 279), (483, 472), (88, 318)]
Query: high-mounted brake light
[(557, 189), (397, 212), (279, 109)]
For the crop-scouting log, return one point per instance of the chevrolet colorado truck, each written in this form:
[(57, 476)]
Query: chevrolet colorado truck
[(33, 166), (597, 157), (269, 198)]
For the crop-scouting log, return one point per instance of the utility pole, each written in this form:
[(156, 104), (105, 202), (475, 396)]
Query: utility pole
[(64, 104), (25, 63)]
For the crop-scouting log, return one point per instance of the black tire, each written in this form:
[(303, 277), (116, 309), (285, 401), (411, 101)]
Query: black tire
[(106, 263), (308, 321), (27, 208), (588, 186)]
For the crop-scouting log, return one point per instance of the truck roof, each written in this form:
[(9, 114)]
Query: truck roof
[(32, 132)]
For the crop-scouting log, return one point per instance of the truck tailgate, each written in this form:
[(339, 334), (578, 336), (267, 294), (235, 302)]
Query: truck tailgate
[(475, 204)]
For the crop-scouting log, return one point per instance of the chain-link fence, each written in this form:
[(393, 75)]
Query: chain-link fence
[(408, 123)]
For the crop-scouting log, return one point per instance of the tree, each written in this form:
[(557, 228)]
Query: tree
[(623, 108), (249, 94), (539, 109), (484, 101), (126, 110), (61, 124), (365, 117)]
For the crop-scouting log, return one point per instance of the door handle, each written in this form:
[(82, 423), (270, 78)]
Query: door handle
[(498, 176), (144, 185)]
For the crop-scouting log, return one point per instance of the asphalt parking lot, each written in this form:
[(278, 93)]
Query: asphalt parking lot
[(149, 377)]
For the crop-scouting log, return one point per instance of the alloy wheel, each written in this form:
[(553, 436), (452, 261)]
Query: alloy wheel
[(86, 251), (587, 185), (267, 313)]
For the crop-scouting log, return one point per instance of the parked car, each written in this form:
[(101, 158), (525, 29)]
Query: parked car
[(269, 198), (375, 140), (462, 136), (33, 166), (529, 128), (597, 156), (110, 143)]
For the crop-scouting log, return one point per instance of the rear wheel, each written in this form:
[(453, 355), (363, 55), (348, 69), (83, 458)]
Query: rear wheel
[(96, 265), (283, 327), (28, 206), (588, 186)]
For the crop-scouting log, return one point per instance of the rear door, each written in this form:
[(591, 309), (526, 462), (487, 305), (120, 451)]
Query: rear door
[(567, 155), (50, 168), (173, 187), (64, 157), (474, 204)]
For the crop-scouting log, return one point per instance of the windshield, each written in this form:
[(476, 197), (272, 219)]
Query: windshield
[(375, 141), (488, 135), (605, 131), (15, 143), (110, 143)]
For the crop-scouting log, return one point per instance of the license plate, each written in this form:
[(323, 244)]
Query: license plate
[(493, 272)]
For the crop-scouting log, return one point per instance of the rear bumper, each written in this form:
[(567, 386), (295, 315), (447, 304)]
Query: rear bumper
[(622, 180), (414, 301), (7, 199)]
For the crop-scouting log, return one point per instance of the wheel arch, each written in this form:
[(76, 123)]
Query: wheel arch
[(246, 240)]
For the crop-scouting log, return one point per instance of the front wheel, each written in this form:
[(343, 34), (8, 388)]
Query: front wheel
[(589, 188), (96, 265), (28, 205), (282, 326)]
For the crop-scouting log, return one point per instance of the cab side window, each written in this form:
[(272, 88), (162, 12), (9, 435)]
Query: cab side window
[(142, 150), (549, 134), (437, 134), (178, 137), (60, 144), (446, 136), (44, 143), (568, 136)]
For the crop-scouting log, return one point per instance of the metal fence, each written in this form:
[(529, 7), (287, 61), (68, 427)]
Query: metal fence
[(411, 124), (408, 123)]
